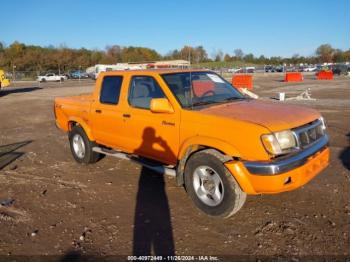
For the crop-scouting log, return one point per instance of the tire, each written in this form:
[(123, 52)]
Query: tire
[(81, 146), (62, 79), (43, 80), (226, 198)]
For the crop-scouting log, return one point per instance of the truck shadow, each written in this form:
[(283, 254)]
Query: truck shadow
[(152, 223), (72, 256), (345, 154), (82, 255), (11, 90), (8, 154)]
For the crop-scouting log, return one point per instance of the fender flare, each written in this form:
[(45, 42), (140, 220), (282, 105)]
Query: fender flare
[(83, 124), (211, 142), (195, 144)]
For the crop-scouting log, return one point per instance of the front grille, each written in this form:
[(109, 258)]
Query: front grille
[(309, 134)]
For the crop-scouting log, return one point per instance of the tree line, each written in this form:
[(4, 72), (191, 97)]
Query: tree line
[(24, 57)]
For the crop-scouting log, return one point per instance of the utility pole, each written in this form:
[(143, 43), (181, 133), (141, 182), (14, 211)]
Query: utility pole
[(59, 73), (13, 74), (79, 72)]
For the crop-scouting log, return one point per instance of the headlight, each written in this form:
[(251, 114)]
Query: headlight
[(279, 142)]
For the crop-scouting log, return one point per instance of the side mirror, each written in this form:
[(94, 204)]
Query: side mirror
[(161, 105)]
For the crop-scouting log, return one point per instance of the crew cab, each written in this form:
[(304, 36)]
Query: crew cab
[(196, 126), (4, 82), (51, 77)]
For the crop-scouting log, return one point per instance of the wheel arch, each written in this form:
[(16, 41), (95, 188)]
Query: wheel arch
[(80, 122), (224, 151)]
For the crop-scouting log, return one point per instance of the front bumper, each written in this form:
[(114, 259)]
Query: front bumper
[(281, 175), (283, 165)]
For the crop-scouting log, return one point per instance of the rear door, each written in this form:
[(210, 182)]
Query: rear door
[(152, 135), (106, 112)]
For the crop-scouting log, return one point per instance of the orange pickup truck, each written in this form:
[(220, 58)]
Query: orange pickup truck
[(196, 126)]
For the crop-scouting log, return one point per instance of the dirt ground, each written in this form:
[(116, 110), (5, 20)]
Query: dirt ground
[(50, 205)]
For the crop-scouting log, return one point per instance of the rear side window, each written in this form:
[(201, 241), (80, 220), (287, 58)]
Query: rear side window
[(111, 89)]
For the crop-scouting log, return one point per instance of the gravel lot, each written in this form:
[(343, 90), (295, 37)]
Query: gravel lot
[(55, 206)]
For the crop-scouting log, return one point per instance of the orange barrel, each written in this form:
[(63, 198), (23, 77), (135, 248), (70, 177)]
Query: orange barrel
[(242, 81), (293, 77), (325, 75)]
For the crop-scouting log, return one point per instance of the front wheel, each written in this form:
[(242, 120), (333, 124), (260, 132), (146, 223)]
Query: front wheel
[(81, 146), (211, 186)]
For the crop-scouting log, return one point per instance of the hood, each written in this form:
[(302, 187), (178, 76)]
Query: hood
[(272, 115)]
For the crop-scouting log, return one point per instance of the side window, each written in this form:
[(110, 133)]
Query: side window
[(142, 90), (110, 90)]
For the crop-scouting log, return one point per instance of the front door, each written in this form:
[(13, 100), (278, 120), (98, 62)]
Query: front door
[(152, 135)]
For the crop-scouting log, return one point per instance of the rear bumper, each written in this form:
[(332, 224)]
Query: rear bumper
[(287, 180)]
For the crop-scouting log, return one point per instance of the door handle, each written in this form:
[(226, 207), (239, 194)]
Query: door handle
[(98, 111), (127, 115)]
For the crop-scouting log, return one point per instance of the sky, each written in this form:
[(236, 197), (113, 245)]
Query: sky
[(265, 27)]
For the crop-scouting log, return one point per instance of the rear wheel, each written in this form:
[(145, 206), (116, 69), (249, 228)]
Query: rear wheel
[(81, 146), (211, 186)]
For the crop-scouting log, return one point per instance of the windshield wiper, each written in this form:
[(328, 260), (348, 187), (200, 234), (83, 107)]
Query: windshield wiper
[(233, 98), (202, 103)]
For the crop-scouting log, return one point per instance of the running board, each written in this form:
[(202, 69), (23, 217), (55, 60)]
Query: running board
[(155, 167)]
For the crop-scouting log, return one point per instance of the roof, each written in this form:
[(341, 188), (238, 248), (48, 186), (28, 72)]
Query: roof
[(155, 71)]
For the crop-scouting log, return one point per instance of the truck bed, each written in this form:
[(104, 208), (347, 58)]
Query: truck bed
[(72, 106)]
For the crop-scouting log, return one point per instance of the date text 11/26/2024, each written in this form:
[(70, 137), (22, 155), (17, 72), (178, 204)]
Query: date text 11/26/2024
[(173, 258)]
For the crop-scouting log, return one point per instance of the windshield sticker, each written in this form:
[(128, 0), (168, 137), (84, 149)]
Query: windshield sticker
[(215, 78)]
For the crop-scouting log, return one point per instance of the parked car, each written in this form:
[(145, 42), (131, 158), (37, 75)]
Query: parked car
[(234, 70), (79, 75), (195, 126), (310, 69), (270, 69), (279, 69), (249, 69), (51, 77), (341, 69), (244, 70), (66, 76), (291, 69), (239, 71), (324, 68)]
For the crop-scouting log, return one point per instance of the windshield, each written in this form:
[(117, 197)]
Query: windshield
[(194, 89)]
